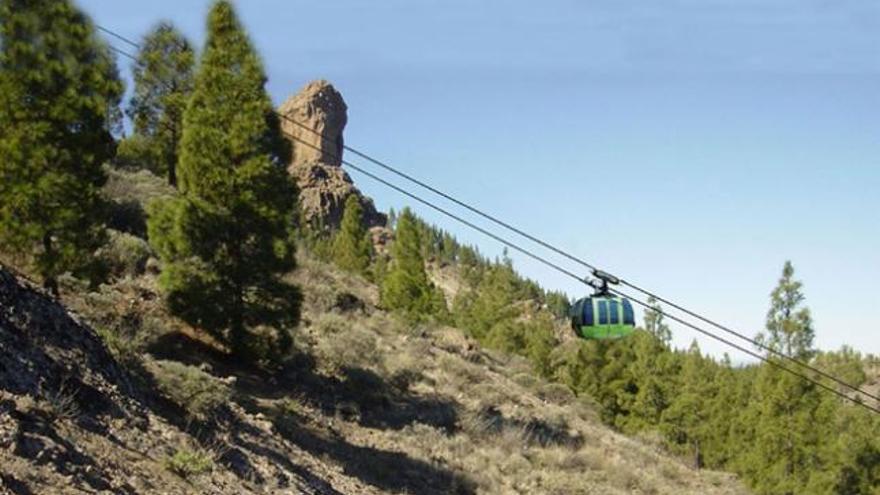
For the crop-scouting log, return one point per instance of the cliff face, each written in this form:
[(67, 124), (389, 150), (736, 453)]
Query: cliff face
[(315, 119)]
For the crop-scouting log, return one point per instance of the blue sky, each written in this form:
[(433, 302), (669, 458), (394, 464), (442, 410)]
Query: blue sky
[(691, 146)]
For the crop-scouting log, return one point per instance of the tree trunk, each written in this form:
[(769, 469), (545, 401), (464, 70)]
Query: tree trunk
[(172, 174), (172, 162), (237, 332), (50, 283), (698, 456)]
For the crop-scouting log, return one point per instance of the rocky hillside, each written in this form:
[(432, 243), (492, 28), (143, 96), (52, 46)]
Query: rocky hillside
[(73, 420), (124, 399)]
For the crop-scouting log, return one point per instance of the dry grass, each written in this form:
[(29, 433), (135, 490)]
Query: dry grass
[(409, 410), (513, 433), (128, 314), (192, 388), (62, 404)]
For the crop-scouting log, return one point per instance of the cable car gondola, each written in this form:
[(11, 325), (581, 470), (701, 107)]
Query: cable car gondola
[(602, 316)]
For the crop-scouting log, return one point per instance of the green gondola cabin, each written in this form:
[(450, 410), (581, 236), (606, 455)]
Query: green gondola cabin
[(602, 317)]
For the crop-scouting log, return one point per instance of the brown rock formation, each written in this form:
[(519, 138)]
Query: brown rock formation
[(314, 118), (382, 237), (320, 115)]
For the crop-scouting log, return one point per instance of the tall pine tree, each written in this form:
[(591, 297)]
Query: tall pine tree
[(163, 82), (406, 287), (785, 450), (227, 242), (352, 249), (789, 325), (59, 89)]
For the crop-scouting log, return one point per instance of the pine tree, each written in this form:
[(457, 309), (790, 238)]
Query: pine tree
[(785, 449), (471, 264), (406, 287), (653, 370), (577, 365), (685, 422), (163, 82), (557, 303), (392, 219), (449, 251), (379, 269), (352, 248), (228, 241), (729, 428), (655, 324), (534, 339), (491, 304), (846, 364), (789, 326), (786, 407), (614, 382), (59, 91), (854, 452)]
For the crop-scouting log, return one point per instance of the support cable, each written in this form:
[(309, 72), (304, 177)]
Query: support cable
[(118, 36)]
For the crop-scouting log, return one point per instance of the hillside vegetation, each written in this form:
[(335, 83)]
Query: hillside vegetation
[(366, 404), (225, 340)]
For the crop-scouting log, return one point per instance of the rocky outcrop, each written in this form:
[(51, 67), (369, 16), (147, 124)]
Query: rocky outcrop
[(314, 120), (323, 190), (318, 115), (381, 237)]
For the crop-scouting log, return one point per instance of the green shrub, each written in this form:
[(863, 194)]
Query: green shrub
[(127, 314), (343, 346), (136, 153), (125, 342), (125, 254), (129, 192), (187, 463), (264, 347), (191, 388), (127, 216)]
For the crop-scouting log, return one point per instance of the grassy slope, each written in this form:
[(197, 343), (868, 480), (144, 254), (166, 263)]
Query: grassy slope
[(368, 405), (434, 395), (387, 408)]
